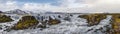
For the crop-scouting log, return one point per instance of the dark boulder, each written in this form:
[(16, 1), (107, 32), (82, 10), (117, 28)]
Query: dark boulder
[(1, 12)]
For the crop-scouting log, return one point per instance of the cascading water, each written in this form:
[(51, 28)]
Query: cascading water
[(70, 24)]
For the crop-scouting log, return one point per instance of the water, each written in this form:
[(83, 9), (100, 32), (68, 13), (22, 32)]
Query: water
[(74, 25)]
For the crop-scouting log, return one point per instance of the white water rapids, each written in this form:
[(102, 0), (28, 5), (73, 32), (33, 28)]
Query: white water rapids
[(75, 25)]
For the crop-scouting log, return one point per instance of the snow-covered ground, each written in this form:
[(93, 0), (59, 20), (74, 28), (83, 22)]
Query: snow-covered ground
[(75, 25)]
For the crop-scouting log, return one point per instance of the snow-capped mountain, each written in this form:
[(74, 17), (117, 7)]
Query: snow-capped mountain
[(16, 11)]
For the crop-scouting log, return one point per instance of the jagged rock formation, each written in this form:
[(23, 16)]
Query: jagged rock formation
[(4, 18), (25, 23)]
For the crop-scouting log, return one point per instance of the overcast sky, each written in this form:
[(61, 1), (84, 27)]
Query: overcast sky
[(72, 6)]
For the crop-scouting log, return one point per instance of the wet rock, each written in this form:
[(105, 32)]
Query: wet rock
[(1, 12), (59, 16), (93, 19), (71, 15), (54, 21), (67, 18), (41, 26), (4, 18), (25, 23), (89, 30), (48, 22), (109, 31)]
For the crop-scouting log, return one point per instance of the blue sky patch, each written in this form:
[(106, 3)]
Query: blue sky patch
[(37, 1), (53, 2)]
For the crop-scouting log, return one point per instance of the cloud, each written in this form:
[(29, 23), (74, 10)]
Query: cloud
[(111, 6), (94, 6), (9, 5), (70, 6)]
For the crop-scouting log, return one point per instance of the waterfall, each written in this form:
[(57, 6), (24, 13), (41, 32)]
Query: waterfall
[(70, 24)]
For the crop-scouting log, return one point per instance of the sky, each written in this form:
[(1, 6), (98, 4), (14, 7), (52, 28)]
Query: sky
[(69, 6)]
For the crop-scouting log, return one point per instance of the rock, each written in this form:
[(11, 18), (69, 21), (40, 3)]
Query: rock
[(59, 16), (41, 26), (25, 23), (54, 21), (96, 18), (71, 15), (4, 18), (67, 18), (84, 16), (116, 23), (93, 19), (48, 22), (1, 12)]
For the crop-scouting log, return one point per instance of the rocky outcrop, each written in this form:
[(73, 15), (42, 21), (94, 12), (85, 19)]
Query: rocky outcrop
[(25, 23), (116, 24), (54, 21), (93, 19), (4, 18), (30, 22)]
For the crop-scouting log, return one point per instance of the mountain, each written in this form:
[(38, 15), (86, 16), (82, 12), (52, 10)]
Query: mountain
[(16, 11)]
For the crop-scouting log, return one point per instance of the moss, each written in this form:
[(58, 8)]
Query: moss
[(25, 23), (116, 23), (84, 16), (4, 18), (54, 21), (93, 19)]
